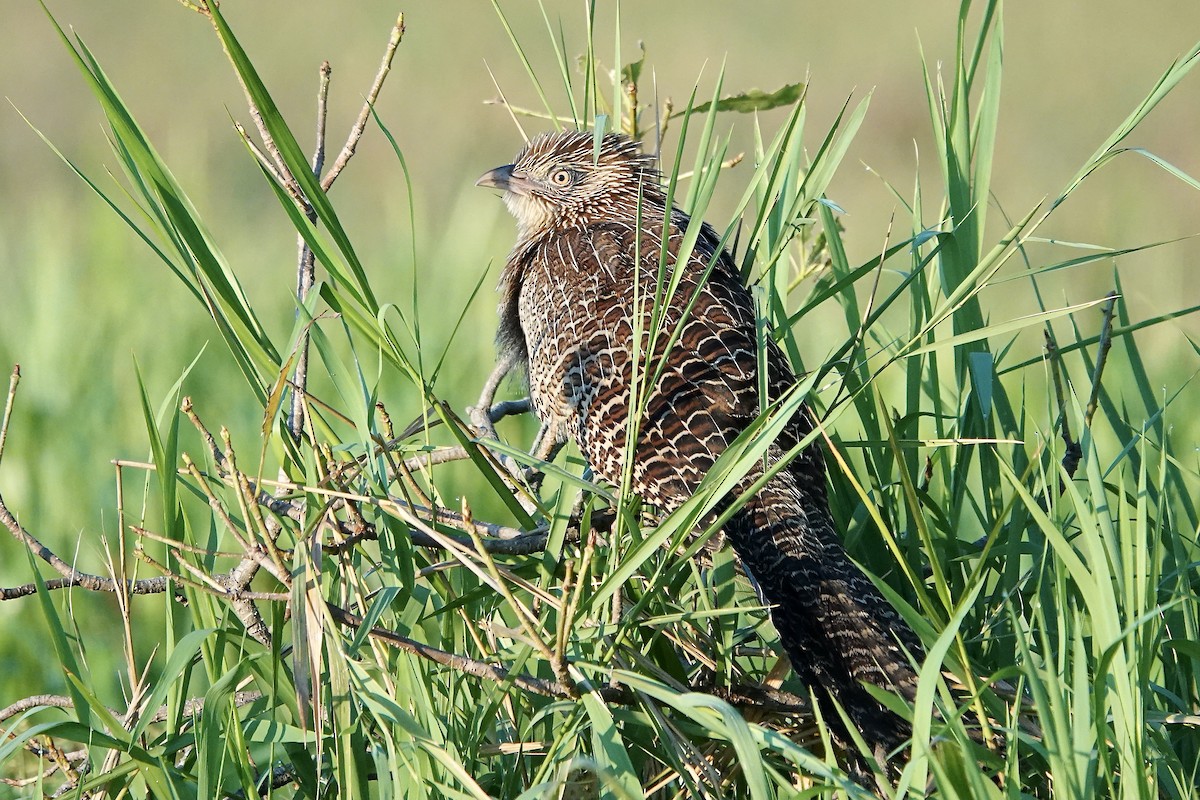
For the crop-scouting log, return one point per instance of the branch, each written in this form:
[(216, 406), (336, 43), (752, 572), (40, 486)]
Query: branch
[(263, 159), (360, 124), (36, 701), (70, 575), (1101, 357), (741, 695), (13, 380), (496, 412), (191, 707), (306, 268), (502, 540), (469, 666), (1073, 453)]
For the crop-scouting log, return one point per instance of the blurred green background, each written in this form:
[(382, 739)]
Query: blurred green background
[(81, 298)]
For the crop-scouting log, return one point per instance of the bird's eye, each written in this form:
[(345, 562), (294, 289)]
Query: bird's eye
[(561, 177)]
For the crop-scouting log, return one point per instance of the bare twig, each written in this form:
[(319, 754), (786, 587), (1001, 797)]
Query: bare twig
[(360, 124), (496, 411), (262, 158), (1101, 357), (70, 575), (214, 503), (306, 268), (1073, 452), (13, 380), (469, 666), (288, 179), (525, 617), (217, 456), (56, 756), (36, 701), (318, 162), (213, 584), (182, 547), (238, 578), (191, 708)]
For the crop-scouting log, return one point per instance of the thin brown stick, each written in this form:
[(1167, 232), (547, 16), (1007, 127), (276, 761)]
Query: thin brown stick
[(217, 456), (469, 666), (21, 783), (70, 575), (525, 617), (1073, 452), (318, 162), (502, 539), (403, 475), (119, 568), (191, 707), (214, 502), (211, 584), (442, 455), (36, 701), (268, 534), (306, 267), (559, 660), (262, 158), (56, 756), (182, 547), (360, 125), (13, 380), (1101, 358), (289, 181)]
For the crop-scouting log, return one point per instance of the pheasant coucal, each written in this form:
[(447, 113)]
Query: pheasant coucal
[(579, 275)]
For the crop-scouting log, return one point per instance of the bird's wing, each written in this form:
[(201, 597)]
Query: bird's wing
[(705, 362)]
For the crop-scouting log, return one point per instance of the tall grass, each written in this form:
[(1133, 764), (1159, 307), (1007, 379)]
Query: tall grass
[(1057, 607)]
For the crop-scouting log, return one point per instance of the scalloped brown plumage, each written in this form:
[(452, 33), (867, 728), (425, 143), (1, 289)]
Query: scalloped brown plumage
[(590, 233)]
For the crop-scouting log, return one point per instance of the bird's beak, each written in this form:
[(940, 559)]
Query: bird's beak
[(503, 178)]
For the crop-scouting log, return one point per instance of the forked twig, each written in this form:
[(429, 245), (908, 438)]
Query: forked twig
[(70, 575), (360, 124)]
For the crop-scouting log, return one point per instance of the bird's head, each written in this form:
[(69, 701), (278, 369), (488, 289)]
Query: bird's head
[(559, 181)]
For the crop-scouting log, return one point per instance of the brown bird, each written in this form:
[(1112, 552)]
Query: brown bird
[(572, 290)]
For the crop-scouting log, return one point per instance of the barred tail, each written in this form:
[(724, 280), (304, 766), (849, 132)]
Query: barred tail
[(836, 627)]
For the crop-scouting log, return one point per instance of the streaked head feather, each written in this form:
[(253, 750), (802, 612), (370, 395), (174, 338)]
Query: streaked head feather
[(559, 181)]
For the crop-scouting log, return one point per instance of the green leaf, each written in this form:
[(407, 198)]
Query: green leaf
[(607, 743), (752, 100), (181, 659), (1001, 328), (982, 372), (632, 72)]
